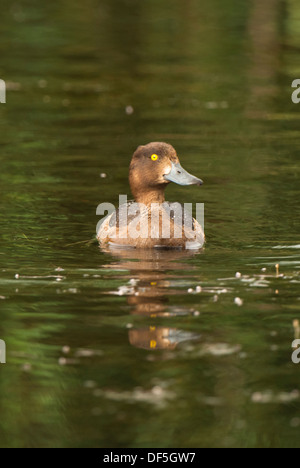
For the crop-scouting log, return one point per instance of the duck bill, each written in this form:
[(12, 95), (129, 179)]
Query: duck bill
[(181, 177)]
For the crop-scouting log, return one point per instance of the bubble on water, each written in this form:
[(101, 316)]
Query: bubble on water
[(263, 270), (220, 349), (157, 396), (238, 275), (129, 110), (90, 384), (86, 353), (66, 349), (211, 105), (190, 290), (296, 326), (238, 301), (123, 291), (62, 361), (259, 397), (198, 289), (212, 401), (129, 325), (274, 347), (59, 269), (17, 276), (26, 367), (103, 175), (285, 397), (269, 397), (133, 282), (42, 83), (2, 298), (158, 391)]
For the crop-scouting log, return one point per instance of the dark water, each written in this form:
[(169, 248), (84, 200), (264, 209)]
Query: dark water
[(110, 349)]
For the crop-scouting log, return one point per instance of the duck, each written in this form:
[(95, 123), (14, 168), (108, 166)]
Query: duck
[(149, 221)]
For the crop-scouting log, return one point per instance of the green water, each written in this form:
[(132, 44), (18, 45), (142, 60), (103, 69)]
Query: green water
[(110, 349)]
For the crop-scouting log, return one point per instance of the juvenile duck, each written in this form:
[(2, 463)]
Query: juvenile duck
[(149, 221)]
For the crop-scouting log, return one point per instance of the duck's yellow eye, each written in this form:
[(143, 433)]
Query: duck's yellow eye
[(154, 157)]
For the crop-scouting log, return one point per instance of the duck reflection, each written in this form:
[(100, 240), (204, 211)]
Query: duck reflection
[(155, 277), (158, 337)]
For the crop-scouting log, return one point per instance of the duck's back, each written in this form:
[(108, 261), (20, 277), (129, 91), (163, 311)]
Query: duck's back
[(165, 225)]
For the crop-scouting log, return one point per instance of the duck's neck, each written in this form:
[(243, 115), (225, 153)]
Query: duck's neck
[(150, 196)]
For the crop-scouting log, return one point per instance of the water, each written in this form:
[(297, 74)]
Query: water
[(110, 349)]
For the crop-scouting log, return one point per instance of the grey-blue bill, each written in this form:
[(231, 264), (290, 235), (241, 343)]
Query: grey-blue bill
[(181, 176)]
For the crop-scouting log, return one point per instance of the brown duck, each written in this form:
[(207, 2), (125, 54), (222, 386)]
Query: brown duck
[(149, 221)]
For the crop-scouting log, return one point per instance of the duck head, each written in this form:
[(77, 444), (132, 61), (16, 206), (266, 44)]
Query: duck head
[(152, 168)]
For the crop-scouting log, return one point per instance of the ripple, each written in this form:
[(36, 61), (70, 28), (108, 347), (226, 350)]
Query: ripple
[(268, 396), (281, 247), (156, 396)]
